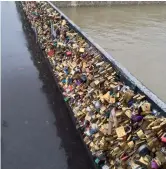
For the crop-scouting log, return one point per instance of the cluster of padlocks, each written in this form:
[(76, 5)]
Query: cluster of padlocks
[(119, 126)]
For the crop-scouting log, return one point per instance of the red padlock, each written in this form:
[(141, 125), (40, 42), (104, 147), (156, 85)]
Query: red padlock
[(50, 53), (124, 157), (163, 138), (68, 53)]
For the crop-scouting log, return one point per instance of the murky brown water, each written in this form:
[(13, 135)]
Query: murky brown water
[(134, 35)]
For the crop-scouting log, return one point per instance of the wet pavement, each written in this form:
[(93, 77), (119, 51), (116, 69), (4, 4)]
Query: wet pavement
[(134, 35), (37, 132)]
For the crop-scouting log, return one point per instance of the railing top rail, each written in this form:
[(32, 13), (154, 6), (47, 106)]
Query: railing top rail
[(123, 70)]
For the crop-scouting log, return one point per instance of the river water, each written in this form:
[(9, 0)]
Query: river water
[(133, 35), (37, 132)]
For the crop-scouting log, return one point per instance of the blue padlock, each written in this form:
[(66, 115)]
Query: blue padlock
[(63, 81)]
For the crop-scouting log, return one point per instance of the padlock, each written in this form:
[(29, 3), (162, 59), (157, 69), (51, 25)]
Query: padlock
[(50, 53), (120, 131), (68, 53), (154, 165), (140, 134), (82, 50), (163, 138), (136, 118), (105, 167), (143, 150)]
